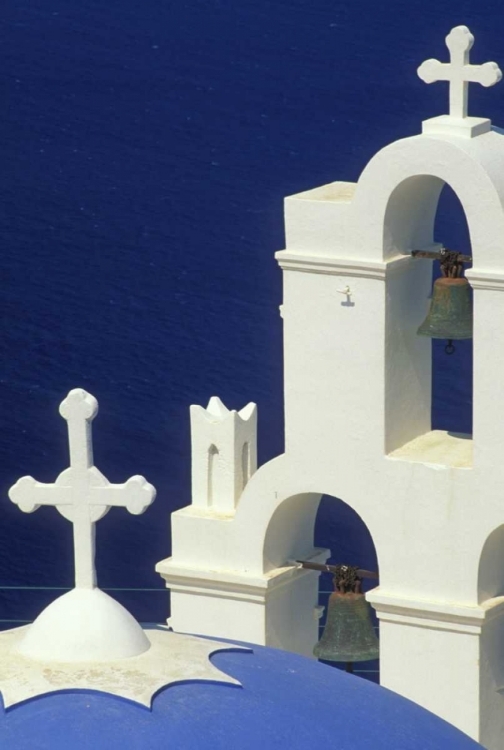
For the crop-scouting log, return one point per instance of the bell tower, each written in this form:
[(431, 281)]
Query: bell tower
[(357, 394)]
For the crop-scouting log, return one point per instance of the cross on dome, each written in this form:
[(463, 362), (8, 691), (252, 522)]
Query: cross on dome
[(458, 71), (81, 493)]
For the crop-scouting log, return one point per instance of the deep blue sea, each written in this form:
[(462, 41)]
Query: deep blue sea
[(146, 148)]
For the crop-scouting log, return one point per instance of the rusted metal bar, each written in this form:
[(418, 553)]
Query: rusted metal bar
[(334, 569), (440, 255), (451, 262)]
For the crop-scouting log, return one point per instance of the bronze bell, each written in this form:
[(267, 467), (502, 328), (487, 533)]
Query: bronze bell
[(348, 635), (450, 313)]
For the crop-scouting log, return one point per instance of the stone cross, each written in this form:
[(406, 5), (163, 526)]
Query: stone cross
[(81, 493), (458, 71)]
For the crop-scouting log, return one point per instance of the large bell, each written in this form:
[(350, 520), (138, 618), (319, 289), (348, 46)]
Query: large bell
[(348, 634), (450, 314)]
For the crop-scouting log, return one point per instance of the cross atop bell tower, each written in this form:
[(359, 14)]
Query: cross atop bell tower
[(459, 73)]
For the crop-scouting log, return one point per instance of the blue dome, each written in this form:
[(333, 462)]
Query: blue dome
[(286, 701)]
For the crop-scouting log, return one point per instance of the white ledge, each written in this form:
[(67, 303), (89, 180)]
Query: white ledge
[(485, 280), (290, 260), (333, 192), (233, 584), (437, 615), (437, 448), (461, 127)]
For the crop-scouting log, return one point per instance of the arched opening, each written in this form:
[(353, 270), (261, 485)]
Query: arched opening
[(428, 396), (452, 376), (323, 527), (340, 529), (212, 468), (245, 464)]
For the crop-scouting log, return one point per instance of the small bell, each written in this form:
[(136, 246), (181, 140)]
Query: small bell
[(348, 635), (450, 313)]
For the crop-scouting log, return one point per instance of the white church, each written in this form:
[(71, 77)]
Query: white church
[(357, 418)]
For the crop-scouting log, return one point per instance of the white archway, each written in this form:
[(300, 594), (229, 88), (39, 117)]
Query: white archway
[(399, 189)]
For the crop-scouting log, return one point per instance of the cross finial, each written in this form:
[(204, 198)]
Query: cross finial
[(81, 493), (458, 71)]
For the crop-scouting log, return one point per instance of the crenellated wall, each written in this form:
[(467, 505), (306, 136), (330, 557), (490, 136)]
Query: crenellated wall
[(224, 454)]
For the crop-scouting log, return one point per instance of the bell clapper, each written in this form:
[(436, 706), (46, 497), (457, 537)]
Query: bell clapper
[(449, 348)]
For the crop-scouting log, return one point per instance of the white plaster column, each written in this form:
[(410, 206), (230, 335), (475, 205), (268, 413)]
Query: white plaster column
[(488, 359), (443, 656), (260, 609)]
